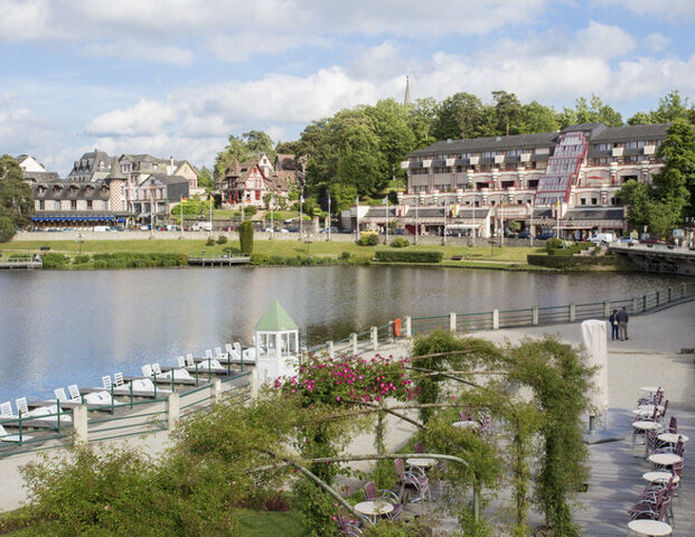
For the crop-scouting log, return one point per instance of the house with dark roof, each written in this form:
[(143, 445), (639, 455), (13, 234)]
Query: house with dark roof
[(566, 180)]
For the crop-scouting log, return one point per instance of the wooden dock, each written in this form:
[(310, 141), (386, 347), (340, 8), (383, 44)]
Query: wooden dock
[(27, 263), (218, 261)]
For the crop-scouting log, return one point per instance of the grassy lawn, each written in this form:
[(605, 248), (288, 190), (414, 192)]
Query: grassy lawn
[(196, 248)]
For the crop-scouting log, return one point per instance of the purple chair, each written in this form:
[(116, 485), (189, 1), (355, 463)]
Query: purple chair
[(419, 447), (372, 493), (414, 479)]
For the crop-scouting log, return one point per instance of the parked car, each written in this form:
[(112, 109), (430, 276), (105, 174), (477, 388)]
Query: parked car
[(334, 229), (545, 235), (524, 235)]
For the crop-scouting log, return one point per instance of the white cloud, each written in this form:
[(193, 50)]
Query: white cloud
[(604, 41), (657, 42), (140, 51), (241, 46), (672, 10)]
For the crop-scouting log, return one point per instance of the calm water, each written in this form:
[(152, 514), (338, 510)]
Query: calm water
[(59, 328)]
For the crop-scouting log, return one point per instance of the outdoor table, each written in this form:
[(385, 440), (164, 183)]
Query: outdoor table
[(664, 459), (422, 462), (645, 411), (468, 424), (644, 426), (374, 508), (672, 438), (660, 477), (649, 389), (653, 528)]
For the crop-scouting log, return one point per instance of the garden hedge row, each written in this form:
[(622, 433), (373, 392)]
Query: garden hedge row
[(564, 261), (408, 256)]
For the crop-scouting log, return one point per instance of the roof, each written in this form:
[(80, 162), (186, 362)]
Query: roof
[(632, 132), (490, 143), (276, 319), (169, 179), (595, 213)]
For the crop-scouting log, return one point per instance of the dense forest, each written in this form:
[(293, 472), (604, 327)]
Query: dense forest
[(357, 151)]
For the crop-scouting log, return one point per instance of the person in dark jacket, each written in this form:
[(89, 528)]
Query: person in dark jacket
[(622, 323), (613, 319)]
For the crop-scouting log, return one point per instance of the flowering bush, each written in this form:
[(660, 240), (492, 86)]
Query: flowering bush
[(349, 378)]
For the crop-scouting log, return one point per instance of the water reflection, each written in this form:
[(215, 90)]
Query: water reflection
[(62, 328)]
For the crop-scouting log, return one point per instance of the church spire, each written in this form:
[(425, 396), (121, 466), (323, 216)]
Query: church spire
[(406, 99)]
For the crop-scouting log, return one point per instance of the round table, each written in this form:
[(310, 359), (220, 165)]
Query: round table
[(653, 528), (468, 424), (649, 389), (664, 459), (422, 462), (660, 477), (672, 438), (644, 426), (644, 411), (374, 508)]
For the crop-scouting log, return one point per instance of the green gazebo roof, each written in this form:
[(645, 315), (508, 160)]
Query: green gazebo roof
[(276, 319)]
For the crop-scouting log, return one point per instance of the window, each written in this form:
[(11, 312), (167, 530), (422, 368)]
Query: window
[(533, 183), (41, 205), (73, 205), (594, 201), (582, 201), (89, 204)]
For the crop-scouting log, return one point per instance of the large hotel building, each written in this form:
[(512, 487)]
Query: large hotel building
[(562, 181)]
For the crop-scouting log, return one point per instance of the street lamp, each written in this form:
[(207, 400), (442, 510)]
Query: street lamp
[(328, 231)]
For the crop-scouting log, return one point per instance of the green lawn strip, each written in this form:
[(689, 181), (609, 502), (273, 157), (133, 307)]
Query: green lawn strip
[(270, 523)]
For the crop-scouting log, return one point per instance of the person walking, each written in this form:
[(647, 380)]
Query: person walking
[(622, 323), (613, 319)]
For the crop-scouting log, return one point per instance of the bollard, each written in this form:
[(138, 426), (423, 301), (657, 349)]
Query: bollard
[(658, 299), (79, 424), (573, 312), (353, 343), (216, 391), (495, 319), (374, 333), (390, 331), (452, 322), (408, 326), (173, 410), (606, 309), (534, 315), (331, 349)]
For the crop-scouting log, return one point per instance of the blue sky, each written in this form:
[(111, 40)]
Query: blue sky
[(175, 77)]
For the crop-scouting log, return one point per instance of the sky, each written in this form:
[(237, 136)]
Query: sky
[(177, 77)]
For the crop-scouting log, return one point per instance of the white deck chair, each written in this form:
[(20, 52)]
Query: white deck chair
[(74, 392), (147, 370), (4, 437), (156, 369), (218, 352), (118, 379), (22, 405), (189, 360), (106, 382), (208, 354), (230, 350), (6, 410), (98, 398), (179, 373), (60, 394), (180, 361)]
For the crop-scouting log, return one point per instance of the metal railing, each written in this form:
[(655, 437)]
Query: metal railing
[(513, 318)]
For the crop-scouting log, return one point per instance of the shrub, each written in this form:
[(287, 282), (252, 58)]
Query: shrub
[(400, 242), (80, 259), (412, 256), (250, 211), (553, 244), (55, 261), (370, 239), (210, 242), (7, 229), (345, 256), (222, 239), (121, 260), (246, 237), (566, 261), (259, 259)]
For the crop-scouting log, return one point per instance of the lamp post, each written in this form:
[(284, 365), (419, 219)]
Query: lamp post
[(386, 234), (357, 218), (328, 231), (446, 211), (417, 225), (530, 224), (301, 215), (272, 227)]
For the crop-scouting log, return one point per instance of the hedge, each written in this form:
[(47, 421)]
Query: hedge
[(564, 261), (408, 256), (52, 260), (120, 260)]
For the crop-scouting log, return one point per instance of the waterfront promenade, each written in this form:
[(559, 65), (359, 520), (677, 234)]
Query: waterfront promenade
[(652, 355)]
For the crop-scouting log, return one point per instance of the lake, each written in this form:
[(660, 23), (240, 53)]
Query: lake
[(59, 328)]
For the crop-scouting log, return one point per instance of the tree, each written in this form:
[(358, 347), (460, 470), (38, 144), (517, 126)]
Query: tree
[(636, 196), (661, 219), (205, 179), (458, 116), (596, 112), (342, 196), (508, 111), (675, 183), (395, 139), (536, 117), (250, 145), (421, 117), (16, 200), (246, 237), (7, 229), (291, 148), (671, 107), (640, 118)]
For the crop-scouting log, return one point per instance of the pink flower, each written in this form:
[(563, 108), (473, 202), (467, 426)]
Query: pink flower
[(107, 507)]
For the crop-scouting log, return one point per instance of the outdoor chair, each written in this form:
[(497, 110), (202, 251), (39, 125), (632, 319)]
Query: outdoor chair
[(118, 380), (218, 353), (60, 395), (387, 495), (419, 447), (22, 406), (414, 479), (6, 410), (652, 398), (5, 437), (180, 361), (147, 371), (106, 382), (347, 525), (177, 373), (465, 416), (208, 354), (229, 350), (156, 369), (189, 360), (74, 392), (673, 425)]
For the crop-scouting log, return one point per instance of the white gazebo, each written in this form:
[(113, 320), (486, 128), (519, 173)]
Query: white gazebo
[(277, 344)]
